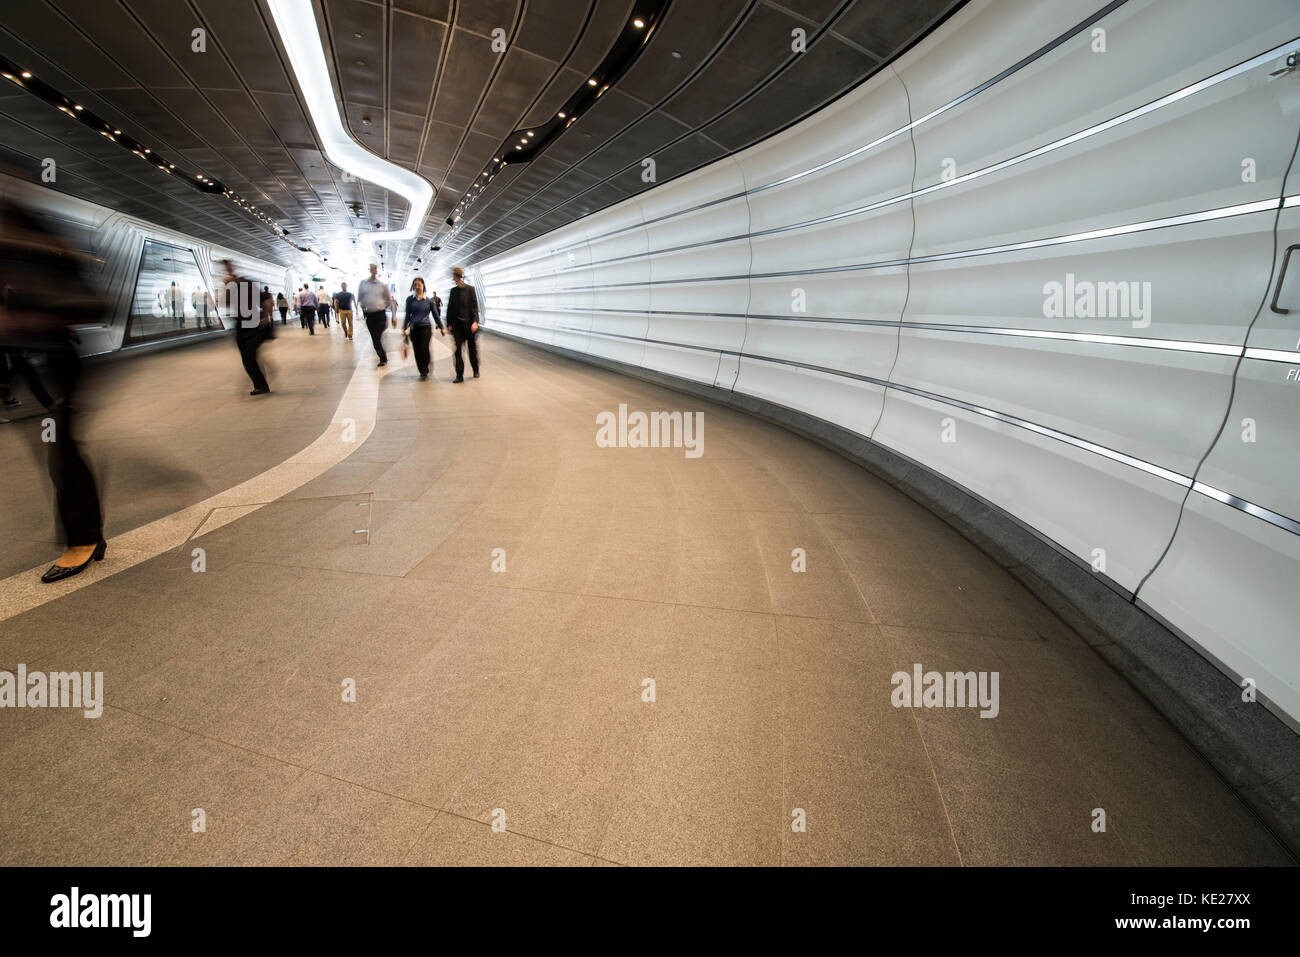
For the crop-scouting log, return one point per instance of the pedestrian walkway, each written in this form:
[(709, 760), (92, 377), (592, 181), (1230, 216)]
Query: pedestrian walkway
[(560, 653)]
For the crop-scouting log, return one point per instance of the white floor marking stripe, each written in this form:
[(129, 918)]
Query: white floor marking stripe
[(25, 590)]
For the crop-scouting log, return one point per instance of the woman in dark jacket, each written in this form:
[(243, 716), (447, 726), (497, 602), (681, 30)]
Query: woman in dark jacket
[(42, 296), (422, 314)]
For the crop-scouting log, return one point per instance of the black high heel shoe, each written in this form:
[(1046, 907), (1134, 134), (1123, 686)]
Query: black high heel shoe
[(59, 572)]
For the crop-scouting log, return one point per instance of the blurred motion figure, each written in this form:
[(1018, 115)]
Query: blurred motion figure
[(42, 295), (252, 323)]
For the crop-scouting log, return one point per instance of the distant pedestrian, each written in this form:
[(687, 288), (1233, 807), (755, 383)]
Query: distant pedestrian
[(462, 320), (307, 306), (322, 307), (343, 306), (267, 318), (375, 297), (283, 305), (176, 297)]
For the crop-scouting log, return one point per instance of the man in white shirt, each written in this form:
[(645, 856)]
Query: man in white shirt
[(374, 297)]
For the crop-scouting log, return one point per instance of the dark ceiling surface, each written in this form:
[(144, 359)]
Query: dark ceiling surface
[(419, 83)]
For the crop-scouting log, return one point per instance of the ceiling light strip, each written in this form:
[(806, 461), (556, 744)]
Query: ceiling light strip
[(523, 145), (295, 23)]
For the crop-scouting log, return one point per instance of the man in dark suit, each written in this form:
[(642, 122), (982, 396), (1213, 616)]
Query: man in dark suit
[(250, 327), (462, 320)]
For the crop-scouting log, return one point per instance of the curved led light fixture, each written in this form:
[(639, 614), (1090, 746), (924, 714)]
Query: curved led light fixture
[(307, 57)]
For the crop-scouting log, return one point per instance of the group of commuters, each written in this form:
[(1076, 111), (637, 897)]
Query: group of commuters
[(44, 294), (422, 313), (172, 302)]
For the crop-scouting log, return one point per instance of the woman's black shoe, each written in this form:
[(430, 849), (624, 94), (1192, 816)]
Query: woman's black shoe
[(59, 572)]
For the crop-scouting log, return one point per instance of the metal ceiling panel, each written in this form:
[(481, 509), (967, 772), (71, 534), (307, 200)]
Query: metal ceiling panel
[(439, 99), (416, 47)]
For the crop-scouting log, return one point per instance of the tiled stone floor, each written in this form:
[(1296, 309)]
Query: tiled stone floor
[(517, 695)]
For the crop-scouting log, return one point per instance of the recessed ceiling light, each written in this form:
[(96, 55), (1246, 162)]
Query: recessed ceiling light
[(529, 134), (117, 132), (26, 75), (78, 107), (638, 23), (676, 55), (356, 36), (591, 82), (147, 150)]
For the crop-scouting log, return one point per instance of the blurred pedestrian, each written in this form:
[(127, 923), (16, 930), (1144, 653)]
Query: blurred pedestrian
[(375, 298), (252, 323), (42, 297)]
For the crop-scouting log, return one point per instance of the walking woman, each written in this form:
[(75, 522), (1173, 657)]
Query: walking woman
[(421, 316), (283, 305), (43, 296)]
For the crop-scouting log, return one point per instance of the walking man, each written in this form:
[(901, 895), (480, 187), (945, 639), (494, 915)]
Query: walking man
[(252, 323), (375, 297), (343, 306), (307, 306), (462, 320)]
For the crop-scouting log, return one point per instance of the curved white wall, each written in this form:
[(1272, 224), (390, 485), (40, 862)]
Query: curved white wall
[(919, 222)]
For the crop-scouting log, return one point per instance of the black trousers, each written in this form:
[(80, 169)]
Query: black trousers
[(309, 318), (420, 336), (469, 339), (284, 314), (375, 322), (248, 347), (16, 363), (75, 493), (324, 313)]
